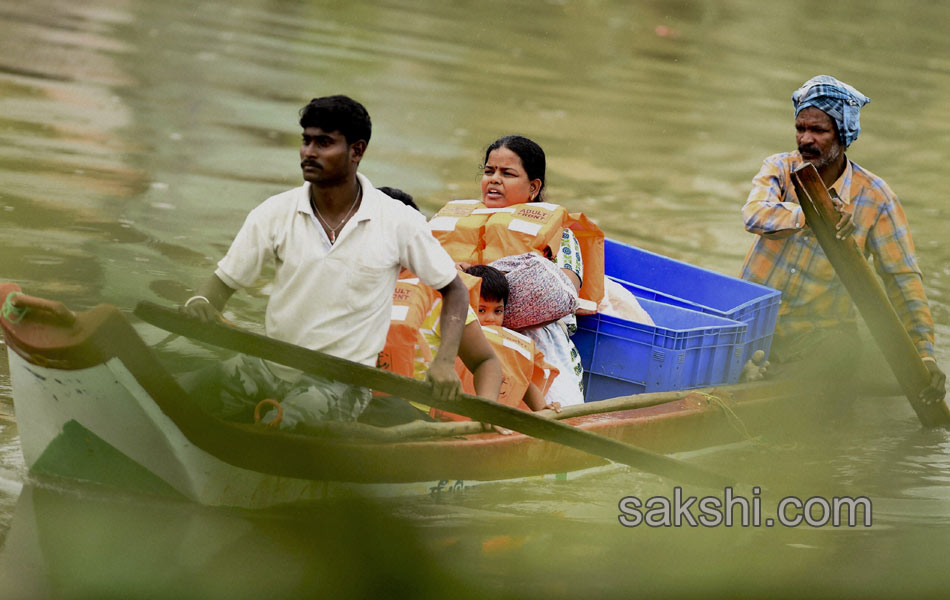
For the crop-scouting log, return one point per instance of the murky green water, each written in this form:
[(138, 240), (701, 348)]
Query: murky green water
[(135, 136)]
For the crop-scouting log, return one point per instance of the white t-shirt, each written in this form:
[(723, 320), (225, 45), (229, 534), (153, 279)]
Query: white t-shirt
[(334, 298)]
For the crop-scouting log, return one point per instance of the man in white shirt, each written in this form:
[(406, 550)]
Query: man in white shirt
[(338, 245)]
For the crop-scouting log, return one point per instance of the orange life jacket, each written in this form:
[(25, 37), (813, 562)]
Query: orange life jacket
[(521, 364), (471, 232), (459, 229), (412, 302)]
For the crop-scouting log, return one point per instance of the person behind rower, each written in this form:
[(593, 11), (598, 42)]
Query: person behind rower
[(816, 316), (337, 245), (397, 194)]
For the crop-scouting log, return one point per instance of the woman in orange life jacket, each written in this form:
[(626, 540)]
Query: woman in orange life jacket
[(491, 313), (513, 173)]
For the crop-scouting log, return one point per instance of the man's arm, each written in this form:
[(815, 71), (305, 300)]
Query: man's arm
[(208, 303), (251, 248), (906, 293), (893, 250), (766, 212), (445, 382), (889, 242)]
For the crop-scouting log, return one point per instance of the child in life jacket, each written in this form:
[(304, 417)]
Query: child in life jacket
[(533, 376)]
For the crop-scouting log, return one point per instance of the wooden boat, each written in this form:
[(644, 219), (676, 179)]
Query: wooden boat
[(94, 403)]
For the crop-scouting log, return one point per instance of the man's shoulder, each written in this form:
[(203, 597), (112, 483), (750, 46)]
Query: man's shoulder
[(864, 179), (779, 166), (282, 202), (866, 175), (287, 196), (784, 160), (393, 211)]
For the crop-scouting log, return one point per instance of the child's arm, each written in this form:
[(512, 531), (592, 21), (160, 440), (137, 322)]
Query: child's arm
[(480, 359), (535, 400)]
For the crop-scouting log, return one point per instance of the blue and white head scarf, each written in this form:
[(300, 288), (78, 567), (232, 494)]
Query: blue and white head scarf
[(835, 98)]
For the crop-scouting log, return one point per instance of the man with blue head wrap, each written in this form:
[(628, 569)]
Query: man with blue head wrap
[(816, 316), (835, 98)]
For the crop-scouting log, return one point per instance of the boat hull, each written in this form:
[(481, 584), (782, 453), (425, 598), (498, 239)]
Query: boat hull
[(93, 403)]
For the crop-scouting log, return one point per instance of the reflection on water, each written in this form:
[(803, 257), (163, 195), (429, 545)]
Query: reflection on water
[(559, 539), (136, 136), (84, 543)]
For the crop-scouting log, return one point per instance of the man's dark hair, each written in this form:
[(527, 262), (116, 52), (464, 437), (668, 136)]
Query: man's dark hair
[(530, 153), (494, 282), (398, 194), (338, 113)]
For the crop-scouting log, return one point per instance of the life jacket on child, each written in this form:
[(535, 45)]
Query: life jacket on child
[(521, 364), (473, 233), (412, 303)]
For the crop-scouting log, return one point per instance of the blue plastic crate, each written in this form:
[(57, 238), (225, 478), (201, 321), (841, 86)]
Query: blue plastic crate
[(684, 349), (656, 277)]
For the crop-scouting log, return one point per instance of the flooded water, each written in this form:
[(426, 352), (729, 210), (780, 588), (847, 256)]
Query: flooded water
[(137, 135)]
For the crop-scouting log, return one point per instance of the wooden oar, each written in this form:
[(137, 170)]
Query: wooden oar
[(868, 295), (476, 408)]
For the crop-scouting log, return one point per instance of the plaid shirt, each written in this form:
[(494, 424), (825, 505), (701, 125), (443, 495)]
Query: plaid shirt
[(786, 255)]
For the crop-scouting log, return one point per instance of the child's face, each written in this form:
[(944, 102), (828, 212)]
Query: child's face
[(491, 312)]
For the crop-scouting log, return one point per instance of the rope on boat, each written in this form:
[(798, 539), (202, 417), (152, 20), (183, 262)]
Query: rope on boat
[(735, 420), (10, 309), (739, 425)]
